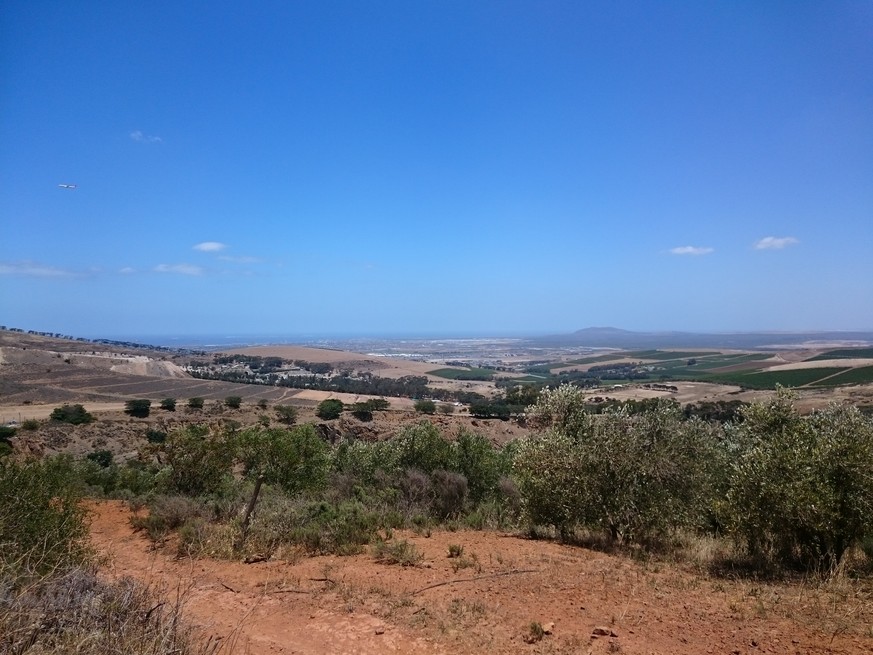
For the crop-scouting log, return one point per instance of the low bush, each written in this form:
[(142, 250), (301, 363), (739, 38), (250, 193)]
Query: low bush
[(286, 414), (329, 409), (397, 552), (73, 414), (42, 521), (138, 408), (74, 611)]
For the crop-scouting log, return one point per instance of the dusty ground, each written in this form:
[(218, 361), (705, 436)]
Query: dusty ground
[(355, 605)]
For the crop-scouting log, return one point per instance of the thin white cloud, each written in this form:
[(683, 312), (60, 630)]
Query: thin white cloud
[(139, 137), (210, 246), (127, 270), (181, 269), (240, 260), (775, 243), (32, 269), (691, 250)]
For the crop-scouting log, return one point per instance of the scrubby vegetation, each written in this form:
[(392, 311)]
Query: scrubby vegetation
[(789, 492), (779, 491), (73, 414), (51, 599)]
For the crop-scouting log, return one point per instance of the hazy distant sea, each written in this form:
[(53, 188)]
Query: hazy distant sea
[(210, 341)]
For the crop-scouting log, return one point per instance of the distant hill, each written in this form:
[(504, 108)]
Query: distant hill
[(610, 337)]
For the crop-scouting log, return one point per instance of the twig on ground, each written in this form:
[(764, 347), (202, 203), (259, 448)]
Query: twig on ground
[(473, 579)]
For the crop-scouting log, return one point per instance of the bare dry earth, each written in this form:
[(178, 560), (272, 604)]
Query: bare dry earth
[(322, 605)]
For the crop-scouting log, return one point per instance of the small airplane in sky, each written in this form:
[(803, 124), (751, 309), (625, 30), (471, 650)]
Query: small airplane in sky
[(67, 186)]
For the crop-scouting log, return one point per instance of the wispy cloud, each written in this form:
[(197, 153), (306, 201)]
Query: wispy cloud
[(181, 269), (127, 270), (691, 250), (139, 137), (32, 269), (210, 246), (775, 243)]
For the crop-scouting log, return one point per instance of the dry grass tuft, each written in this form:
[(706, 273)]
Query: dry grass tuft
[(76, 612)]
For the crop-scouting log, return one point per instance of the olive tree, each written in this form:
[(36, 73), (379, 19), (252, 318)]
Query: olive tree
[(630, 476), (801, 488)]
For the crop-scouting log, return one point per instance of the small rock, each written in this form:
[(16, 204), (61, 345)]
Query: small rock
[(601, 631), (380, 631), (548, 628)]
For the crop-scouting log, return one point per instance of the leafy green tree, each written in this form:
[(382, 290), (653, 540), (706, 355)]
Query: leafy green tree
[(631, 476), (139, 408), (286, 414), (362, 411), (169, 404), (195, 403), (200, 461), (378, 404), (296, 459), (233, 402), (329, 409), (478, 461), (74, 414), (801, 492), (423, 448), (425, 406)]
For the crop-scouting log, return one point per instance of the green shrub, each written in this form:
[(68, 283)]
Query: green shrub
[(286, 414), (633, 477), (30, 424), (801, 489), (343, 529), (295, 459), (139, 407), (156, 436), (397, 552), (42, 521), (479, 462), (167, 513), (74, 414), (169, 404), (420, 447), (425, 406), (195, 403), (233, 402), (362, 412), (200, 461), (102, 458), (329, 409)]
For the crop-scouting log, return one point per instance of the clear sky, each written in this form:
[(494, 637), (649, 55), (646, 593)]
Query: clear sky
[(441, 167)]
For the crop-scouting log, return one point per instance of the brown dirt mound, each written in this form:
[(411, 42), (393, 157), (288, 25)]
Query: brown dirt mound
[(484, 601)]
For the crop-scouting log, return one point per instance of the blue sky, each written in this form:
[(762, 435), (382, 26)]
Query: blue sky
[(435, 167)]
